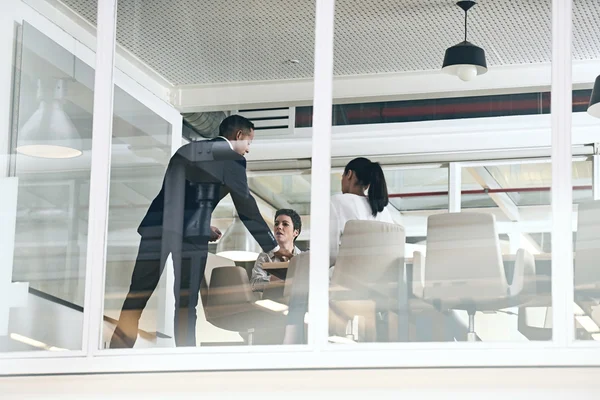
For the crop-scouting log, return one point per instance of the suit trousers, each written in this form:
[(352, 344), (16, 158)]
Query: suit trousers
[(189, 269)]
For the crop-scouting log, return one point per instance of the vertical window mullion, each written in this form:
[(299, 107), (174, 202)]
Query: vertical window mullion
[(562, 192), (321, 176), (100, 174)]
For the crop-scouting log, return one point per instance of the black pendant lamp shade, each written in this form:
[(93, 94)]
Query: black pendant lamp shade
[(594, 107), (465, 60)]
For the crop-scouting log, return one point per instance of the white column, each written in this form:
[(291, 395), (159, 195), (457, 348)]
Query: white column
[(454, 187), (562, 193), (318, 294), (100, 175)]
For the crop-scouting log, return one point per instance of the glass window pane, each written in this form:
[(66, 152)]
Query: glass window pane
[(518, 195), (141, 148), (586, 211), (45, 187), (430, 275), (169, 285)]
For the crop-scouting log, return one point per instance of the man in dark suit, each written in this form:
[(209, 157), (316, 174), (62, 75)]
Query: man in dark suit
[(199, 175)]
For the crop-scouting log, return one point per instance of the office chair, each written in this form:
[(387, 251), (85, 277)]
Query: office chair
[(463, 268)]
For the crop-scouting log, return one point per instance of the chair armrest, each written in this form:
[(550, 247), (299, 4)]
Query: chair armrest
[(418, 284), (524, 277)]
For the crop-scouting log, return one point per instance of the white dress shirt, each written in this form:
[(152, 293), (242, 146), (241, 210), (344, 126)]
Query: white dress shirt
[(347, 207), (227, 140)]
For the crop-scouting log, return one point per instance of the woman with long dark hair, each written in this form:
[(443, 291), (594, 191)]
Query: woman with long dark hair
[(364, 197)]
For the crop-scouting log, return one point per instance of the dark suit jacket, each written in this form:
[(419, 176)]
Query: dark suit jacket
[(199, 175)]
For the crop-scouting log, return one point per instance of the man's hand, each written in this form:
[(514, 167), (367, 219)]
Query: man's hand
[(284, 254), (215, 234)]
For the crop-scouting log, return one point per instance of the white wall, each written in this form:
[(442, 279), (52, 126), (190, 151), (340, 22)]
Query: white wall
[(463, 384)]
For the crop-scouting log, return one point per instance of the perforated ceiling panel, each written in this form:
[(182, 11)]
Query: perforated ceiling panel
[(214, 41), (388, 36)]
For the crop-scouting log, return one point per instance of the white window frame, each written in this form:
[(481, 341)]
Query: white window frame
[(561, 351), (22, 12)]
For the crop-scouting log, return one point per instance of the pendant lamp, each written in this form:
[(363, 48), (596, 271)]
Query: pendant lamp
[(465, 60), (49, 132), (237, 244), (594, 107)]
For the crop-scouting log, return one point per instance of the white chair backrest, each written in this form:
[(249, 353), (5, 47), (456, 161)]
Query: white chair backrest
[(296, 281), (587, 245), (463, 257), (369, 251), (213, 261)]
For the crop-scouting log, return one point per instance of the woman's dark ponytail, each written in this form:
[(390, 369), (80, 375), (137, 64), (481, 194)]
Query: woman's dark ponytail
[(371, 174), (378, 194)]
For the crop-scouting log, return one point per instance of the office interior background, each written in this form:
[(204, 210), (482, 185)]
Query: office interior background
[(502, 134)]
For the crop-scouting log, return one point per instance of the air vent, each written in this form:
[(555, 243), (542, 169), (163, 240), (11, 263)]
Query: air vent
[(271, 121), (202, 124), (504, 105)]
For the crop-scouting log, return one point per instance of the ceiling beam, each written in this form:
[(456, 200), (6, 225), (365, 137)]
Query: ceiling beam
[(505, 203), (502, 200), (375, 87)]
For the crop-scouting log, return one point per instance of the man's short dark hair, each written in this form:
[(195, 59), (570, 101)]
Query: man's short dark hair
[(230, 125), (296, 220)]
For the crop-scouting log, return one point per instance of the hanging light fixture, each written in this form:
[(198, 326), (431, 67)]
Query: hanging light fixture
[(237, 244), (465, 60), (594, 107), (49, 132)]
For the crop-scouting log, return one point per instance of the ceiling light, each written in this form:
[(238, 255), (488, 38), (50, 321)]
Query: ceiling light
[(465, 60), (272, 305), (49, 132), (237, 244), (594, 107), (34, 343), (577, 310)]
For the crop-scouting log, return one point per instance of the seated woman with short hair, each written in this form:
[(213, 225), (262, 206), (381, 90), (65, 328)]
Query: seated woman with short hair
[(287, 227)]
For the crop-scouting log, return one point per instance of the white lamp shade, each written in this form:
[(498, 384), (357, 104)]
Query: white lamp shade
[(49, 132), (237, 244)]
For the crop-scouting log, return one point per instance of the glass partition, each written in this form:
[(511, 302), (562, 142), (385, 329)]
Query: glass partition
[(444, 207), (586, 211), (46, 159), (419, 254), (141, 148), (218, 279), (517, 194)]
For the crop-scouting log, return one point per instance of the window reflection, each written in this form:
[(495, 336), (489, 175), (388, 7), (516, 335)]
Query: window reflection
[(45, 190)]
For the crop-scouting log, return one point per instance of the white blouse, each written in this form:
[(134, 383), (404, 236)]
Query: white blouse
[(347, 207)]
